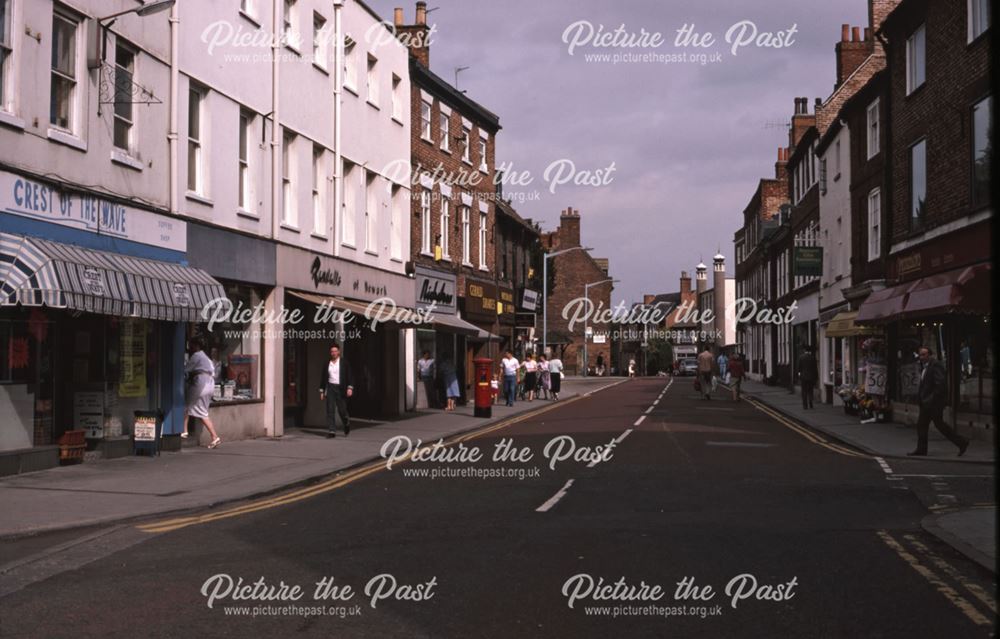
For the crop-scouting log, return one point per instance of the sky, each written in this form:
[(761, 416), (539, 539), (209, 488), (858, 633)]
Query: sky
[(688, 139)]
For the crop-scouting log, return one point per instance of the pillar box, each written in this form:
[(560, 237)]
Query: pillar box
[(484, 396)]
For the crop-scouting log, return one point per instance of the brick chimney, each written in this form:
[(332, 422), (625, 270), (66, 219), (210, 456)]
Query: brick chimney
[(802, 120), (416, 36), (685, 286), (781, 166), (852, 51), (569, 228), (647, 299)]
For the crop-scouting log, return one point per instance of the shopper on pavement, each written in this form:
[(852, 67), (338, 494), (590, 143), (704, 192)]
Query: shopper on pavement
[(508, 370), (932, 393), (808, 374), (450, 378), (555, 376), (425, 368), (735, 368), (723, 363), (544, 378), (599, 370), (336, 385), (200, 377), (706, 364), (530, 376)]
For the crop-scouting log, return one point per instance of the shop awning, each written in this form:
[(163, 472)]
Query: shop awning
[(339, 303), (38, 272), (843, 325), (964, 290), (455, 324), (883, 305)]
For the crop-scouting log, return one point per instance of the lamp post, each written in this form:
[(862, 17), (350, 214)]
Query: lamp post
[(586, 299), (545, 293)]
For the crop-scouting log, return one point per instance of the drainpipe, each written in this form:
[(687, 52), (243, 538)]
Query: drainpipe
[(172, 134), (276, 40), (338, 84)]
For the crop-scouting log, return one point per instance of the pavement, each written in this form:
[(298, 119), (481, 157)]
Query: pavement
[(971, 531), (794, 539), (130, 488)]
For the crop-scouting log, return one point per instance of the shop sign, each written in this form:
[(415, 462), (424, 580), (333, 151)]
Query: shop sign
[(89, 212), (808, 261), (88, 413), (525, 320), (506, 307), (93, 281), (480, 301), (436, 288), (182, 295), (600, 338), (133, 359), (144, 428), (306, 271), (875, 379), (529, 300), (959, 248)]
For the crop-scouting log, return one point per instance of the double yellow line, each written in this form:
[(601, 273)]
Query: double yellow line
[(810, 436), (168, 525)]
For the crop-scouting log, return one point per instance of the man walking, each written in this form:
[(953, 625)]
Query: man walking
[(933, 396), (808, 375), (736, 374), (425, 368), (508, 370), (705, 365), (335, 386), (600, 364)]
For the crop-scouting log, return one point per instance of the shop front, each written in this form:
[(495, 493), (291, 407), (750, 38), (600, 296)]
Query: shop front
[(445, 338), (246, 268), (481, 307), (942, 301), (94, 304), (365, 310)]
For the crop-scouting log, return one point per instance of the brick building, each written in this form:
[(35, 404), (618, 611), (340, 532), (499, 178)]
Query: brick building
[(569, 273), (453, 203), (940, 211), (519, 269)]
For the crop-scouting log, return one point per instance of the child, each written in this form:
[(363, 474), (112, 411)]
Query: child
[(495, 388)]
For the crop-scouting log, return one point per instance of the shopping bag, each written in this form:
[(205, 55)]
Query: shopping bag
[(715, 382)]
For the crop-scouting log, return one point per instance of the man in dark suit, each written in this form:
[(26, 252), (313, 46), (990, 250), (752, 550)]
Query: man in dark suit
[(335, 386), (933, 396), (807, 376)]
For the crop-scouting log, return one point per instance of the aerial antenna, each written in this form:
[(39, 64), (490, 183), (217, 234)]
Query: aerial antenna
[(457, 71)]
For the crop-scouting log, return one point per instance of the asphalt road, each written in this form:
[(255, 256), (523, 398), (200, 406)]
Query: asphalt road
[(795, 537)]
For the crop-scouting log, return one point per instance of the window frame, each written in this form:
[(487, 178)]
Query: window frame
[(130, 143), (976, 199), (916, 59), (244, 182), (426, 241), (196, 142), (444, 131), (975, 18), (64, 14), (7, 57), (371, 212), (916, 221), (318, 191), (483, 150), (350, 64), (371, 81), (397, 99), (289, 210), (321, 50), (467, 143), (466, 236), (445, 224), (874, 224), (873, 130), (426, 109), (483, 240), (348, 221)]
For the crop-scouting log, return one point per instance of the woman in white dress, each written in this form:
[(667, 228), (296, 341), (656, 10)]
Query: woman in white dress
[(200, 377)]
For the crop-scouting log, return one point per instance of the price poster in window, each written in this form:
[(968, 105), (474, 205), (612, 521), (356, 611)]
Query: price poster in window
[(133, 359)]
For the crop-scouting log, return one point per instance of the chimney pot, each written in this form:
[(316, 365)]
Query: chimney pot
[(397, 17), (421, 12), (868, 34), (845, 30), (856, 34), (819, 103)]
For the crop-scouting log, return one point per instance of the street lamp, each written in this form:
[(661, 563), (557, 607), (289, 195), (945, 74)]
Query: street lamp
[(147, 9), (545, 293), (586, 299)]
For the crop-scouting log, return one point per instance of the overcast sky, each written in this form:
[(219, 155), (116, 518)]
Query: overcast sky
[(688, 141)]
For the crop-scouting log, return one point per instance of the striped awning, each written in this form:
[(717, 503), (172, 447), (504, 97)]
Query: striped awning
[(38, 272)]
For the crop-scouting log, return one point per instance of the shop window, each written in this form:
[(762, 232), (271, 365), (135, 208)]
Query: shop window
[(975, 363), (235, 349)]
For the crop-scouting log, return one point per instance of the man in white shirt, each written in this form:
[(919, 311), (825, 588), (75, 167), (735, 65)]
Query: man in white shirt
[(336, 385), (508, 370), (425, 368)]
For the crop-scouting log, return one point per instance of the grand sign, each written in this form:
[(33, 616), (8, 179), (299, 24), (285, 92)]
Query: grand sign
[(46, 202), (436, 287)]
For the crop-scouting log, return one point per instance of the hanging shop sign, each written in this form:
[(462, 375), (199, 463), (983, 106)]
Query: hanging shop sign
[(529, 300), (808, 261), (435, 287)]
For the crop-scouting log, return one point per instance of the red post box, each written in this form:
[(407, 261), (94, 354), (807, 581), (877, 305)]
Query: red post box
[(484, 395)]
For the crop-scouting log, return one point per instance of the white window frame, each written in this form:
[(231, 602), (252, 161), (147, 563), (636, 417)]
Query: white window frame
[(249, 8), (245, 179), (482, 240), (117, 118), (397, 98), (7, 57), (77, 87), (289, 16), (318, 190), (467, 144), (289, 210), (874, 124), (426, 109), (466, 237), (445, 226), (371, 212), (321, 50), (916, 59), (483, 166), (425, 221), (350, 64), (922, 143), (196, 142), (444, 125), (395, 221), (348, 224), (874, 224), (371, 80), (977, 21)]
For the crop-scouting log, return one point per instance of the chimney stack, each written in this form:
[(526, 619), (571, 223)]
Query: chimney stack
[(719, 299), (780, 167), (415, 36), (851, 53), (801, 122), (647, 299), (569, 228)]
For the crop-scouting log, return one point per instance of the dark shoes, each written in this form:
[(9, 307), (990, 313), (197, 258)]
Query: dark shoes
[(917, 453), (963, 446), (331, 434), (347, 429)]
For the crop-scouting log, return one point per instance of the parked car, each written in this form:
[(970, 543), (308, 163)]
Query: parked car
[(688, 366)]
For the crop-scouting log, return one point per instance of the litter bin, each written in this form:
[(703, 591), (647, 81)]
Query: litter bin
[(484, 395)]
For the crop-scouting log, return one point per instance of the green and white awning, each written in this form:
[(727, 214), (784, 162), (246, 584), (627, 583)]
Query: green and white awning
[(38, 272)]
